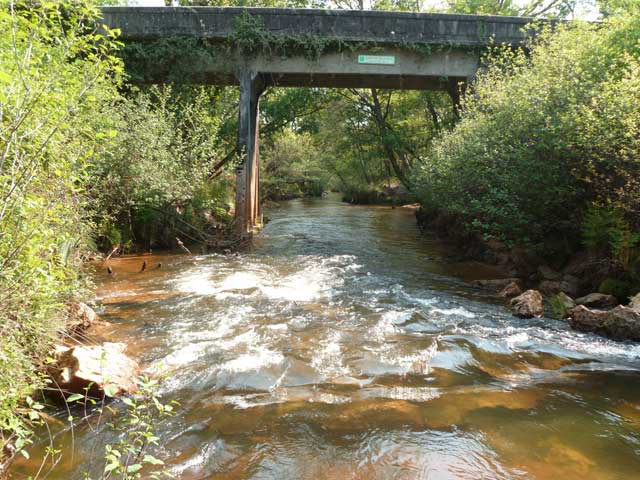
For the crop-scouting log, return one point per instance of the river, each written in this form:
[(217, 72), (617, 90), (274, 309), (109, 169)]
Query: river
[(345, 345)]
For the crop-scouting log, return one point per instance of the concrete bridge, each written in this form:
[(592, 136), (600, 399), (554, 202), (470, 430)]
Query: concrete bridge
[(352, 49)]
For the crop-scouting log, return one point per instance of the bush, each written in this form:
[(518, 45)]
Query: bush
[(620, 289), (290, 168), (55, 72), (544, 135), (154, 177)]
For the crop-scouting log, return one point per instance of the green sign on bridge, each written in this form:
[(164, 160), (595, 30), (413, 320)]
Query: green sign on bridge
[(377, 59)]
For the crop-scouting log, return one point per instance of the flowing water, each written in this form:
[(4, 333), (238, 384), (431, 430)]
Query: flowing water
[(344, 345)]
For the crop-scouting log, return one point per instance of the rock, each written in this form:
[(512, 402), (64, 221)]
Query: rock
[(622, 323), (511, 290), (561, 304), (598, 300), (104, 369), (634, 302), (497, 284), (82, 316), (566, 301), (579, 264), (550, 287), (548, 273), (529, 304), (586, 320), (496, 245)]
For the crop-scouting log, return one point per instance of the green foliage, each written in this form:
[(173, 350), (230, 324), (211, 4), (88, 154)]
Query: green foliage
[(157, 165), (291, 168), (558, 307), (621, 289), (130, 457), (55, 71), (544, 135), (167, 59), (251, 36), (607, 232)]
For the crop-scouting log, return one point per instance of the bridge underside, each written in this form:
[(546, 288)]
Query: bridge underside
[(437, 71)]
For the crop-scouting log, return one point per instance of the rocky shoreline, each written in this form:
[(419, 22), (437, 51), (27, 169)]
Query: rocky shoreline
[(581, 288)]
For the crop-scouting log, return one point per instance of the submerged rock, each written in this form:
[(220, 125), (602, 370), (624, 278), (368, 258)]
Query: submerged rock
[(101, 369), (598, 300), (529, 304)]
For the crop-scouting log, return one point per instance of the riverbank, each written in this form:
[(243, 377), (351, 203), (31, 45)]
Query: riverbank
[(565, 281)]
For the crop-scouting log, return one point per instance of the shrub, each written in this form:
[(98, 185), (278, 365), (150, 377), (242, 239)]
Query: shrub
[(55, 72), (544, 135)]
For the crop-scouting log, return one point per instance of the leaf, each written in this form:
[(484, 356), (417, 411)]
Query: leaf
[(25, 454), (150, 459), (110, 391), (75, 397), (5, 77), (136, 467)]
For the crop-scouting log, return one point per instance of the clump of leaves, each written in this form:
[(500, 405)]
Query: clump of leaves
[(131, 456)]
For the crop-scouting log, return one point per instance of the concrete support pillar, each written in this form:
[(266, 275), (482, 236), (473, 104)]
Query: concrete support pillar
[(456, 89), (248, 211)]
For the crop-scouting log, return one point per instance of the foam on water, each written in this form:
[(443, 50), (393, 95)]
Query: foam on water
[(328, 359), (255, 360)]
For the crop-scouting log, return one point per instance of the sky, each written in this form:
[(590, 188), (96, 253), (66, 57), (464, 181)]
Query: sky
[(587, 12)]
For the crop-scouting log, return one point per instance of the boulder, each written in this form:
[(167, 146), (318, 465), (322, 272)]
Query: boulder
[(598, 300), (579, 264), (634, 302), (548, 273), (81, 317), (529, 304), (586, 320), (102, 369), (566, 301), (511, 290), (622, 323)]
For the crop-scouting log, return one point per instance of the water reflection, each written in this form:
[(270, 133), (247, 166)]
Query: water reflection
[(345, 346)]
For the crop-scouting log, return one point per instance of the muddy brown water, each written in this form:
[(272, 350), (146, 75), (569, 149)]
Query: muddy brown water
[(345, 345)]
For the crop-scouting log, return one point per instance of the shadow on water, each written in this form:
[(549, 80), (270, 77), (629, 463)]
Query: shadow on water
[(346, 345)]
